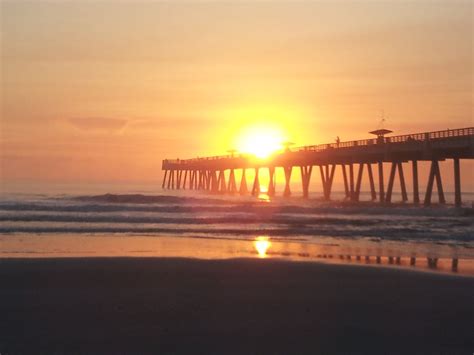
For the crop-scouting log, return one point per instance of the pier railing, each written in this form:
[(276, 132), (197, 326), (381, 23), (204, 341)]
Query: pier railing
[(395, 139), (426, 136)]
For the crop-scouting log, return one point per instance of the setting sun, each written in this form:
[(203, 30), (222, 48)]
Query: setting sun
[(260, 141)]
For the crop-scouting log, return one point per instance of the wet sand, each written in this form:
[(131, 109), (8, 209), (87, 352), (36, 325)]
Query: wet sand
[(237, 306)]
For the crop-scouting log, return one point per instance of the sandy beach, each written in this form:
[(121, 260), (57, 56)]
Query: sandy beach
[(238, 306)]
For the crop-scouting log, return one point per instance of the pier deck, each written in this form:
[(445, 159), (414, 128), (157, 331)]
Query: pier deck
[(208, 173)]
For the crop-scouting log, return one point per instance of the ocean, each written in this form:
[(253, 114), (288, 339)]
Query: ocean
[(195, 224)]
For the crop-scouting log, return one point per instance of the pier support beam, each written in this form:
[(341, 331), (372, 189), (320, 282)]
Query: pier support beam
[(330, 180), (185, 178), (416, 193), (381, 185), (327, 178), (256, 183), (323, 179), (164, 179), (346, 184), (373, 194), (359, 181), (192, 179), (171, 180), (354, 193), (351, 181), (439, 184), (434, 174), (214, 183), (179, 174), (287, 191), (201, 180), (232, 188), (271, 181), (168, 184), (402, 182), (221, 182), (391, 180), (305, 178), (208, 180), (204, 179), (457, 183), (243, 183)]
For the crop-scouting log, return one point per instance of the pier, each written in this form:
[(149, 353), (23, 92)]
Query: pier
[(217, 174)]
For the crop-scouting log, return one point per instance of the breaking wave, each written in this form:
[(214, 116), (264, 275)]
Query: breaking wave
[(234, 216)]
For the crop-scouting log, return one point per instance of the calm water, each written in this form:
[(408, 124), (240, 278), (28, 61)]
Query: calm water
[(199, 225)]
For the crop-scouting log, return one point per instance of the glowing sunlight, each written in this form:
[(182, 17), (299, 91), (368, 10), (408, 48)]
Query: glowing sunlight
[(262, 244), (260, 141)]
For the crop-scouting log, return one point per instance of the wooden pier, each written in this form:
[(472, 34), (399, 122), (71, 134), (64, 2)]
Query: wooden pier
[(352, 158)]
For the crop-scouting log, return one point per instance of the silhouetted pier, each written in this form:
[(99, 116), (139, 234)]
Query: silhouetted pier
[(209, 173)]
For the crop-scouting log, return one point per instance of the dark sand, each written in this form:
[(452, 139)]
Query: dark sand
[(150, 305)]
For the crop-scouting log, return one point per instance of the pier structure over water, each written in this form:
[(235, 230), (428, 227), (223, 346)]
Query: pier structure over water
[(351, 158)]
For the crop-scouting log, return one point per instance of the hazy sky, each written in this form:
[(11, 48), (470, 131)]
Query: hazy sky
[(103, 91)]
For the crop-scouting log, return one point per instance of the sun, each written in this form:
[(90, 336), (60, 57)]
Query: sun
[(261, 141)]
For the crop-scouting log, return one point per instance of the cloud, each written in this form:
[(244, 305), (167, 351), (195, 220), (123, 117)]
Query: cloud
[(109, 125), (98, 124), (171, 122)]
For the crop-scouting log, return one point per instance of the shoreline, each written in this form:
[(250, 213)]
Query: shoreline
[(182, 305), (398, 255)]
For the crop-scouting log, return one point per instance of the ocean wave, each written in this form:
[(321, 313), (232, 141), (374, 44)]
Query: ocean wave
[(148, 199), (179, 215), (277, 219), (400, 233), (196, 205)]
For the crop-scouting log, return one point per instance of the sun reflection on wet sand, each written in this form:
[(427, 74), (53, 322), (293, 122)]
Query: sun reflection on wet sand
[(408, 256), (262, 244)]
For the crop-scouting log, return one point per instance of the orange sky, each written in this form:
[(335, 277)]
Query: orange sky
[(102, 91)]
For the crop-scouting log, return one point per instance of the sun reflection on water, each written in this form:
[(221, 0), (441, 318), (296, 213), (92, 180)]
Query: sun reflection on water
[(263, 195), (262, 244)]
